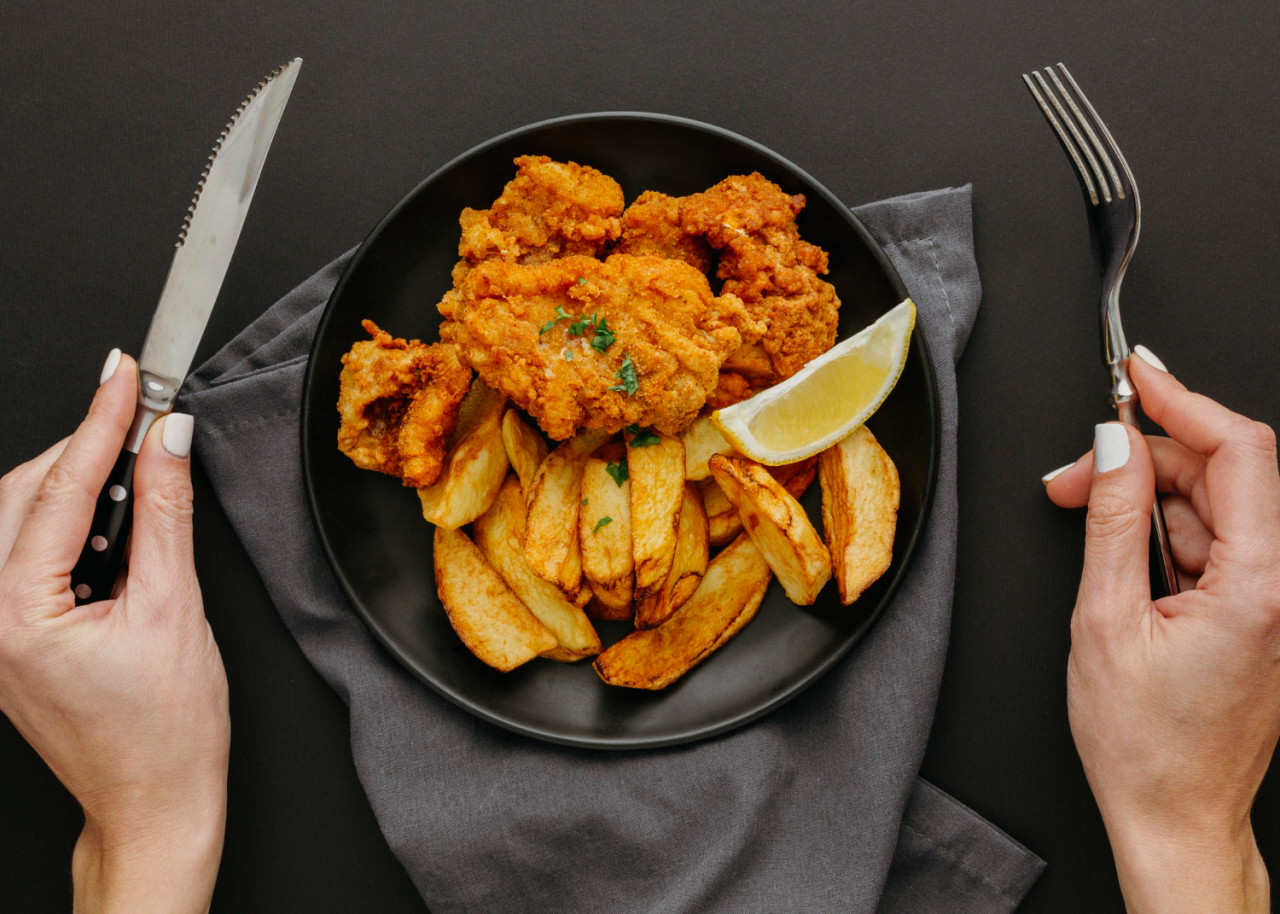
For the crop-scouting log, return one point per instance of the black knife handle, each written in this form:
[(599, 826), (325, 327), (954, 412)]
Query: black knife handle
[(103, 554)]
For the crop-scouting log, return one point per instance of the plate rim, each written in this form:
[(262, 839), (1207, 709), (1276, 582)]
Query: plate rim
[(689, 735)]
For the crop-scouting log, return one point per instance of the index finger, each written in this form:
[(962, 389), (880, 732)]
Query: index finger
[(54, 530), (1193, 420), (1241, 479), (17, 489)]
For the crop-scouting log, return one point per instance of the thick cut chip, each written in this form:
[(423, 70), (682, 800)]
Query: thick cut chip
[(702, 439), (475, 465), (604, 534), (500, 535), (690, 563), (554, 500), (525, 448), (796, 477), (723, 522), (860, 492), (488, 617), (597, 610), (657, 488), (725, 601), (777, 525)]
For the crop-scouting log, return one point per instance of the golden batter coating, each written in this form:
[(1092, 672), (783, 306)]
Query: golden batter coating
[(529, 330), (548, 210), (763, 261), (651, 225), (398, 403)]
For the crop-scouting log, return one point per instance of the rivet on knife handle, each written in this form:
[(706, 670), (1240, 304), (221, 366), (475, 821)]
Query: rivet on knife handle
[(103, 553)]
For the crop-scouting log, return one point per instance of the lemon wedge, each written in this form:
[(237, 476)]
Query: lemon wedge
[(827, 399)]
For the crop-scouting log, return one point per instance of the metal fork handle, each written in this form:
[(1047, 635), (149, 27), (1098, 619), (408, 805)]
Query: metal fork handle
[(1127, 409)]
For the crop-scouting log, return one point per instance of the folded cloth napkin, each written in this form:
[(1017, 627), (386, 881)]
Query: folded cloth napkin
[(816, 807)]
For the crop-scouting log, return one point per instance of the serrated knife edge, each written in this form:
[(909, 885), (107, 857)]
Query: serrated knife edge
[(208, 239)]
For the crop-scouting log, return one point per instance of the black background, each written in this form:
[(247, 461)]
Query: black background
[(108, 110)]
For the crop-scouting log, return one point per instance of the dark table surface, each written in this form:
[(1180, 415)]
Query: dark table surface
[(107, 112)]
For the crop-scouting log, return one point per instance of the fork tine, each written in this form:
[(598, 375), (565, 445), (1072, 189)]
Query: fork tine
[(1102, 127), (1075, 132), (1063, 137), (1099, 147)]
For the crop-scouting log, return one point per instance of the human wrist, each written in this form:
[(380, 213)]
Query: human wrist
[(1199, 867), (147, 866)]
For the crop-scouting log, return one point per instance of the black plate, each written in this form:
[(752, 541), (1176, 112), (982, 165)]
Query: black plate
[(380, 547)]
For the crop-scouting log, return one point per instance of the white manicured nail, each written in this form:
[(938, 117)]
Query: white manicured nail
[(1054, 474), (176, 434), (109, 367), (1110, 446), (1149, 357)]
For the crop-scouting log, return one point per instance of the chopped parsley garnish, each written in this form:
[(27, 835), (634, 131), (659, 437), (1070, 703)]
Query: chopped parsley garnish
[(584, 502), (604, 337), (642, 437), (561, 315), (582, 280), (618, 471), (601, 522), (627, 375), (582, 325), (568, 355)]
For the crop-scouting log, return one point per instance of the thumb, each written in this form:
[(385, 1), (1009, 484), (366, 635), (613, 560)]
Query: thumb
[(162, 562), (1116, 549)]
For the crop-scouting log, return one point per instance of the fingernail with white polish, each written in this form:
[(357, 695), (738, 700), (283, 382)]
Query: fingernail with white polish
[(109, 367), (1054, 474), (1149, 357), (176, 434), (1110, 446)]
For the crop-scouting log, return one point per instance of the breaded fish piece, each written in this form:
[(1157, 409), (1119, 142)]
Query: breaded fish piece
[(651, 225), (398, 403), (533, 331), (548, 210), (752, 223)]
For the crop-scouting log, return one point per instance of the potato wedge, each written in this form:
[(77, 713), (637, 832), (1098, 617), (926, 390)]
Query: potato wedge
[(475, 465), (553, 500), (702, 439), (657, 489), (499, 533), (488, 617), (692, 549), (525, 448), (615, 598), (796, 477), (725, 601), (777, 525), (860, 493), (723, 522), (604, 534), (597, 610)]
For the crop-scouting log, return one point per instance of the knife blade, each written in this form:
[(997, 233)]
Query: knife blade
[(205, 244)]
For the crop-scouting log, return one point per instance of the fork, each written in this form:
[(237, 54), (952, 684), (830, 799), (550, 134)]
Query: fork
[(1115, 215)]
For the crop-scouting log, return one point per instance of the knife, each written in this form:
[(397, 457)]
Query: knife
[(205, 245)]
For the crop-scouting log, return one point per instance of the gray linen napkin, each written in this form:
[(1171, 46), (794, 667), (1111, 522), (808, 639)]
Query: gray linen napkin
[(817, 807)]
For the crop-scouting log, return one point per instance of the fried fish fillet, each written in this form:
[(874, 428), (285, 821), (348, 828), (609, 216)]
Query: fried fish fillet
[(582, 343), (398, 403), (752, 223), (651, 225), (548, 210)]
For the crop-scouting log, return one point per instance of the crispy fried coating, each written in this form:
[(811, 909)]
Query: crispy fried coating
[(509, 326), (398, 402), (548, 210), (763, 261), (730, 388), (651, 225)]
